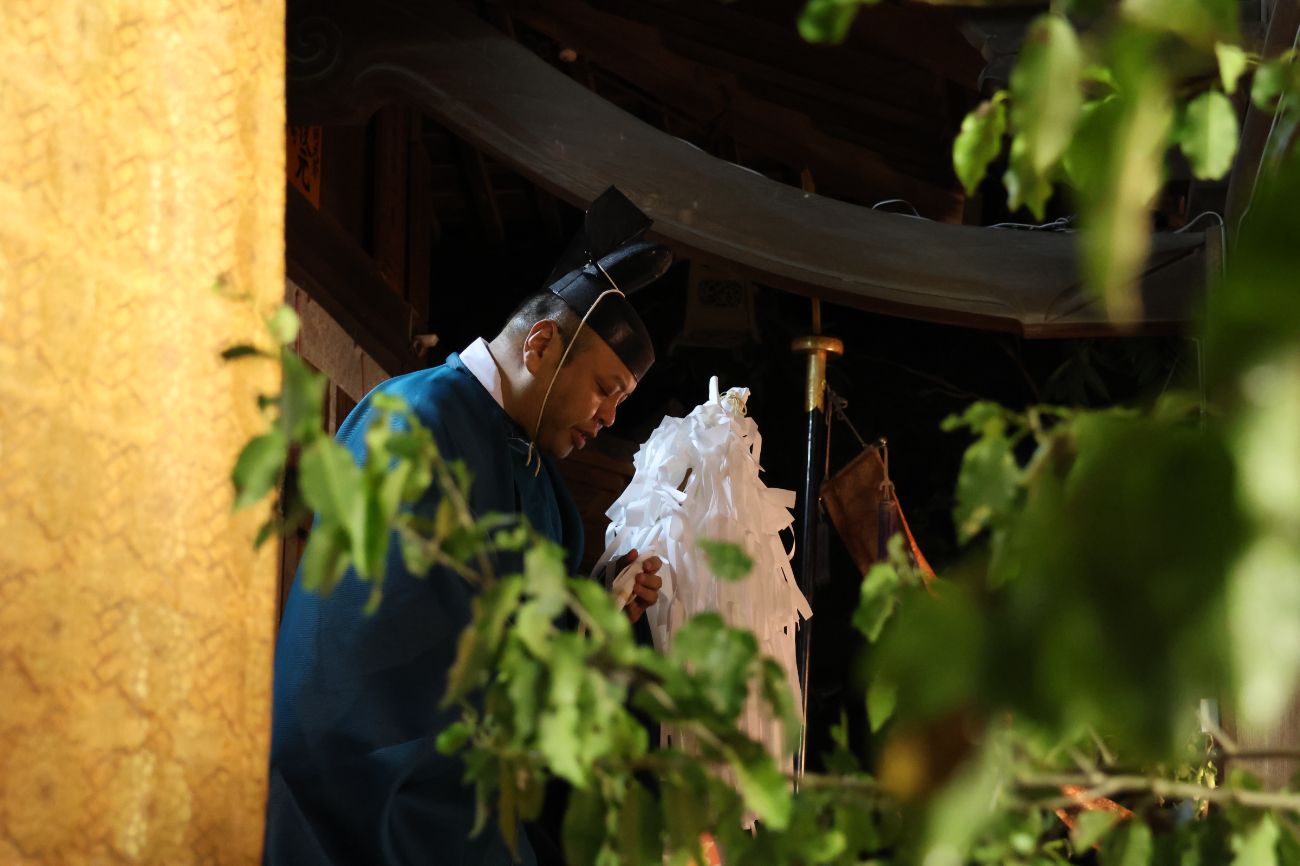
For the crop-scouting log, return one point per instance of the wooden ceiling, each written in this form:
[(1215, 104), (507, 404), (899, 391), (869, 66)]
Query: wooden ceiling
[(868, 120), (573, 96)]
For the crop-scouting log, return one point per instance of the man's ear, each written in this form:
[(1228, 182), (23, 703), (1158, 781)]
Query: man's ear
[(542, 338)]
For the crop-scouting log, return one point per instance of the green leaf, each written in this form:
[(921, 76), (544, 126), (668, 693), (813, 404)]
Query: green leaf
[(685, 809), (444, 519), (727, 561), (377, 437), (1090, 828), (523, 679), (301, 399), (331, 483), (513, 539), (1243, 779), (1209, 134), (841, 759), (904, 655), (584, 827), (1273, 78), (1264, 617), (452, 738), (1201, 22), (1288, 844), (987, 486), (1266, 451), (283, 325), (864, 832), (559, 739), (461, 544), (826, 846), (1026, 187), (977, 417), (480, 641), (534, 626), (388, 403), (601, 609), (1083, 162), (638, 829), (1122, 175), (1258, 845), (1099, 78), (876, 600), (963, 807), (483, 787), (544, 572), (1232, 63), (416, 554), (763, 786), (371, 536), (265, 532), (1046, 98), (1129, 845), (1196, 843), (721, 659), (1256, 310), (392, 489), (776, 691), (243, 351), (828, 20), (980, 140), (882, 697), (325, 560), (463, 477), (508, 807), (532, 796), (258, 468)]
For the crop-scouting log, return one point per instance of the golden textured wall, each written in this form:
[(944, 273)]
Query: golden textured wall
[(141, 161)]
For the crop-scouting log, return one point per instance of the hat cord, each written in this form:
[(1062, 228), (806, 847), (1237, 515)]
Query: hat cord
[(572, 342)]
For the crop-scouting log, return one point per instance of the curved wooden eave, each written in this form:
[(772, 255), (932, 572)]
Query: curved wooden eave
[(505, 100)]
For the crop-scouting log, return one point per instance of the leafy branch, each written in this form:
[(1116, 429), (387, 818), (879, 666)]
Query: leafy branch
[(1086, 109)]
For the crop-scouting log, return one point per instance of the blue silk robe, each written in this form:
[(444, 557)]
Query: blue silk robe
[(355, 777)]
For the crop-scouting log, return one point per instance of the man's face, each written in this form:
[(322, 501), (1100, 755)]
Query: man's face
[(585, 397)]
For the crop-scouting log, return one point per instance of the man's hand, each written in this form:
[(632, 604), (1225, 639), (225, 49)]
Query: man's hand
[(645, 586)]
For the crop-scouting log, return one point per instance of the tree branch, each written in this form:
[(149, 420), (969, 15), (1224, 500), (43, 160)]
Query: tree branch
[(1098, 785)]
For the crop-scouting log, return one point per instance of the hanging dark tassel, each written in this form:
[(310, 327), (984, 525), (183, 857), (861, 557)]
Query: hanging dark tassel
[(822, 571), (887, 526)]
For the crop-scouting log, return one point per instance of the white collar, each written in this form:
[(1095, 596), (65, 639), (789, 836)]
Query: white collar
[(477, 358)]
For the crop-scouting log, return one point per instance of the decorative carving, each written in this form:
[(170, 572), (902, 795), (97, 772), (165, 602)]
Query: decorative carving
[(314, 47)]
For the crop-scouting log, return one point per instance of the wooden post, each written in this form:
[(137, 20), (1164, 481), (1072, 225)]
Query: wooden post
[(388, 234)]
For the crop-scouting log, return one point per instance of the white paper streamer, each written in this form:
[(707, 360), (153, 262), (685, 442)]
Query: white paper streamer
[(698, 478)]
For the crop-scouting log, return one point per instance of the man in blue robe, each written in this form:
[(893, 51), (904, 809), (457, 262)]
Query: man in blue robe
[(355, 775)]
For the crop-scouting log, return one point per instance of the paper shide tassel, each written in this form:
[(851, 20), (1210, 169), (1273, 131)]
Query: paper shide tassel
[(697, 478)]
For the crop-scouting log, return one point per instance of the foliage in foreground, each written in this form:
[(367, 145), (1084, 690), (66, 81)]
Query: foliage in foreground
[(1123, 564)]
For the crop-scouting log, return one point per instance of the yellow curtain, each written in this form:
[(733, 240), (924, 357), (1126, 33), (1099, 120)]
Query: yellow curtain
[(141, 165)]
